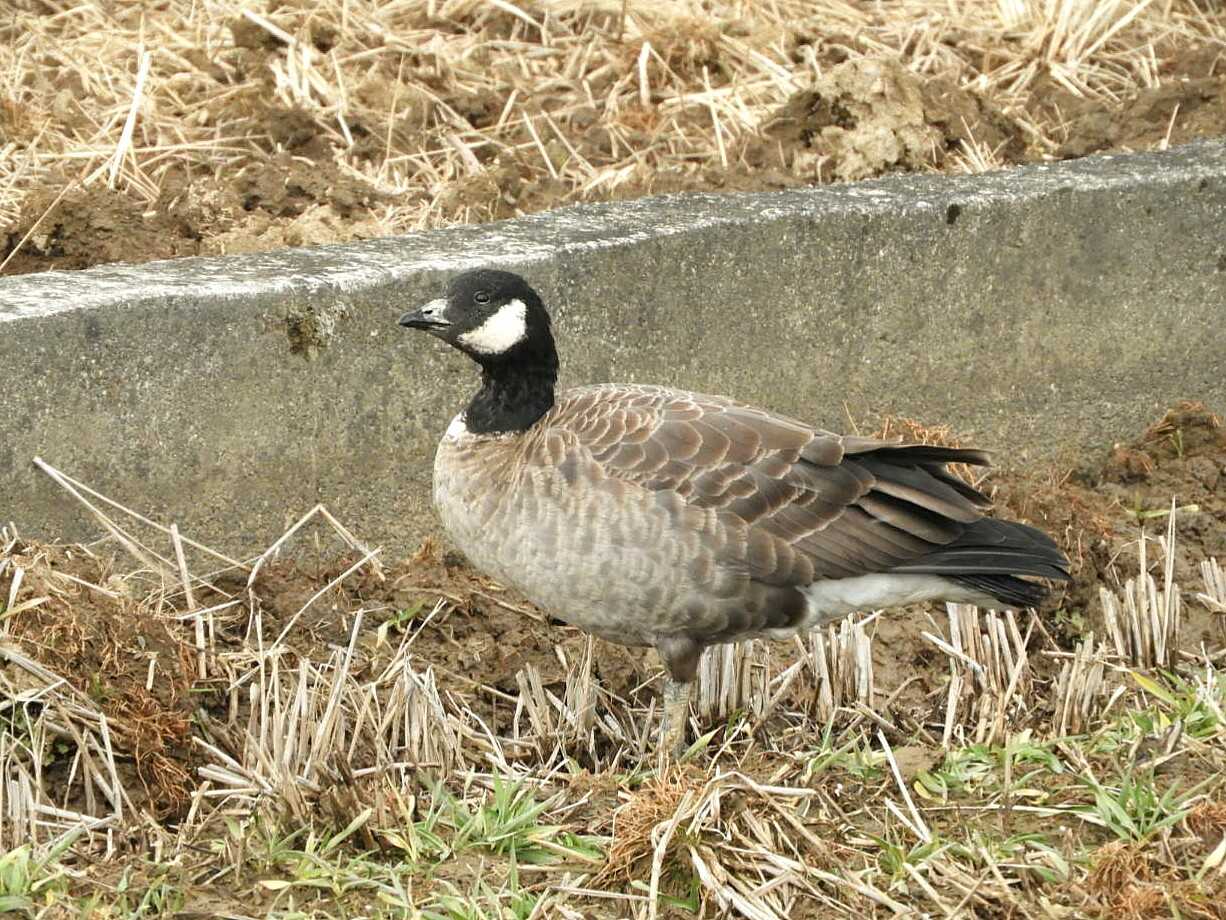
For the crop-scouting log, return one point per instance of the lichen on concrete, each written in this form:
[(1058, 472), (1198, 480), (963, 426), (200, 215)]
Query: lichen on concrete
[(312, 327)]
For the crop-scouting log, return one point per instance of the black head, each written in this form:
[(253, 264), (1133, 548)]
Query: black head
[(496, 319), (492, 316)]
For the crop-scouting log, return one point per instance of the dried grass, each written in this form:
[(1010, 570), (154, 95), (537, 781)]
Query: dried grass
[(744, 841), (361, 737), (301, 730), (37, 805), (840, 659), (1081, 688), (586, 720), (1214, 576), (732, 679), (1144, 624), (990, 674), (459, 110)]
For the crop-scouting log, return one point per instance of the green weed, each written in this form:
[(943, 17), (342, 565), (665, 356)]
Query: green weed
[(28, 877), (1135, 809)]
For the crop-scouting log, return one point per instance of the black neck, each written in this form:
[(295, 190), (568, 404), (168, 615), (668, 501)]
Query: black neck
[(513, 395)]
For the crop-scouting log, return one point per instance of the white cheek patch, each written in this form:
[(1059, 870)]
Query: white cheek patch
[(501, 331)]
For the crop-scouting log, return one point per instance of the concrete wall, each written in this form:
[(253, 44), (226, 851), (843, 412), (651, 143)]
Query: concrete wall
[(1046, 309)]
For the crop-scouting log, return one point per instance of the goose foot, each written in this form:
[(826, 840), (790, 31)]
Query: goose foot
[(676, 715)]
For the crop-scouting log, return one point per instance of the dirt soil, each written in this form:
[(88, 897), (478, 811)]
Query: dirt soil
[(861, 117), (1099, 507), (482, 636)]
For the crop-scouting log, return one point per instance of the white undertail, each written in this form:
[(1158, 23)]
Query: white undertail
[(834, 598)]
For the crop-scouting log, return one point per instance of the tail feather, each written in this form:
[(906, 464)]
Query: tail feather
[(968, 491), (917, 494), (989, 556), (911, 454), (921, 487), (1010, 591)]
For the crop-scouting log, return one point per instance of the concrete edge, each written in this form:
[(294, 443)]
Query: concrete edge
[(349, 268), (1048, 307)]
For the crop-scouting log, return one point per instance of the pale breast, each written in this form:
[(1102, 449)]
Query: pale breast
[(468, 489), (603, 555)]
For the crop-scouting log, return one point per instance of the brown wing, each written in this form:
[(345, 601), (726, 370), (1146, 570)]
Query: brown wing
[(817, 504)]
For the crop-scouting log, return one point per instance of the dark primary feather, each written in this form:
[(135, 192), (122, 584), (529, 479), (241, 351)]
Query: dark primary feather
[(993, 547), (1010, 591)]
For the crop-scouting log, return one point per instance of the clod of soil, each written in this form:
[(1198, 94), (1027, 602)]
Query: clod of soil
[(287, 201), (1189, 103), (868, 116), (1098, 509)]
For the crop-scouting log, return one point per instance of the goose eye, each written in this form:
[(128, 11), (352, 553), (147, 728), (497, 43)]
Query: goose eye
[(481, 297)]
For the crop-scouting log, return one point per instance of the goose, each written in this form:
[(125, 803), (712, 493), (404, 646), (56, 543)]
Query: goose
[(651, 516)]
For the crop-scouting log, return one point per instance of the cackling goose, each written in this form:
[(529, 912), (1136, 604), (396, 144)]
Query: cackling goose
[(658, 517)]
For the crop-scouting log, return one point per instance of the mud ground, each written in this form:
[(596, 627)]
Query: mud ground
[(863, 118), (482, 635)]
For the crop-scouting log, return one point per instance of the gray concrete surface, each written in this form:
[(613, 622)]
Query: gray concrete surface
[(1047, 310)]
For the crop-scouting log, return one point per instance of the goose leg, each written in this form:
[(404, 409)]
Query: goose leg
[(676, 712), (680, 655)]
